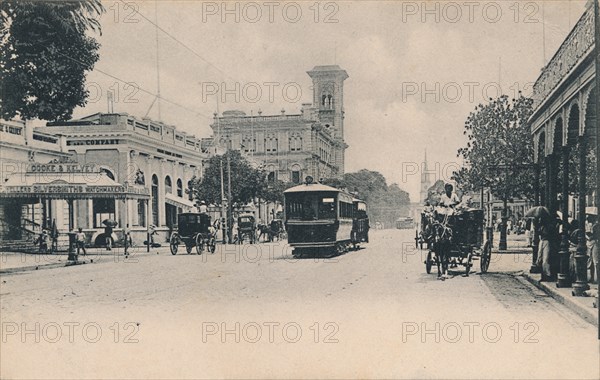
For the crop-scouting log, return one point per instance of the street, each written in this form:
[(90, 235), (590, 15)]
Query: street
[(254, 311)]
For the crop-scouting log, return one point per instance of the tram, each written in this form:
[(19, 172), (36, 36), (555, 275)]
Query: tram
[(405, 222), (320, 219)]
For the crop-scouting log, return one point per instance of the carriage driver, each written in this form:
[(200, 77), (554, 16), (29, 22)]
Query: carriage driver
[(449, 198), (203, 207)]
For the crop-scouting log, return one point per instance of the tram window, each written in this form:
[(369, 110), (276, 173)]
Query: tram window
[(327, 208)]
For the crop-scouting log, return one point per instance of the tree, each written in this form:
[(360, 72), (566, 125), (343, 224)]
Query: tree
[(499, 151), (247, 182), (44, 56), (385, 203)]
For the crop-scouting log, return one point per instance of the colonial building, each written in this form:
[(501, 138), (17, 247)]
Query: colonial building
[(20, 147), (290, 147), (564, 129), (131, 151)]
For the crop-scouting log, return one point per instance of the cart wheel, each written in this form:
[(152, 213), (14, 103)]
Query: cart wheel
[(428, 263), (174, 243), (485, 258), (199, 244)]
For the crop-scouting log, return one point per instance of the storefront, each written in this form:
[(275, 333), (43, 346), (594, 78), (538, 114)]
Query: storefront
[(68, 183)]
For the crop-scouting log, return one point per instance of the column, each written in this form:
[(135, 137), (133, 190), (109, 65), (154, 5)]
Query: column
[(564, 280), (162, 217), (536, 238), (581, 257)]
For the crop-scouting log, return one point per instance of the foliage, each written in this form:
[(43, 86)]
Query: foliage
[(433, 193), (591, 172), (274, 191), (247, 182), (385, 203), (499, 151), (44, 56)]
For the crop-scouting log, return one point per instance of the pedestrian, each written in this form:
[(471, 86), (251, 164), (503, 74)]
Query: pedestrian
[(127, 238), (529, 232), (80, 241), (546, 231), (43, 241), (591, 234), (108, 230)]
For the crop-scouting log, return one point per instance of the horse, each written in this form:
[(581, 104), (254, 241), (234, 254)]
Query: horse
[(263, 229), (441, 245)]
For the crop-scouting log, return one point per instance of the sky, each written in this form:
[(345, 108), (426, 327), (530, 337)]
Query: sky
[(416, 69)]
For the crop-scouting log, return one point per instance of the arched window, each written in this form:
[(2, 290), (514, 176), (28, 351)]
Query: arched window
[(271, 143), (155, 199), (168, 185), (296, 173), (179, 188), (248, 144), (295, 143)]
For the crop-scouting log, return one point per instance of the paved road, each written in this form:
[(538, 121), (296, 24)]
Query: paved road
[(256, 312)]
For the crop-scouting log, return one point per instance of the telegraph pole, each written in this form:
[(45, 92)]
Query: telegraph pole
[(223, 212), (597, 59), (230, 213)]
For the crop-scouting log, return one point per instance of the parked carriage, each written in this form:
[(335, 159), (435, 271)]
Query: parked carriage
[(319, 219), (246, 228), (454, 238), (193, 230)]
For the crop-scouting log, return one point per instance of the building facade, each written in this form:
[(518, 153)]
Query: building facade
[(20, 147), (564, 131), (133, 152), (291, 147)]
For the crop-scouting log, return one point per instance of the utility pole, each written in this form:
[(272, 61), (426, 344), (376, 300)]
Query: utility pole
[(229, 203), (223, 211), (597, 56)]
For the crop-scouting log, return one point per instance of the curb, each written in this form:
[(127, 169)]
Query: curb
[(589, 314), (44, 266)]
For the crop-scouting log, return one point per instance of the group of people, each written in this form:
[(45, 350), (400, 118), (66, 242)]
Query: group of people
[(550, 231)]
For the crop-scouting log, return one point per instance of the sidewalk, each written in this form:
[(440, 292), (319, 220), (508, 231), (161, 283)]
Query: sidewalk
[(517, 259), (11, 262)]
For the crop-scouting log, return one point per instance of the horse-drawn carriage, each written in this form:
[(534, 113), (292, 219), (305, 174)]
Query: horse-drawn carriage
[(454, 237), (246, 228), (193, 229)]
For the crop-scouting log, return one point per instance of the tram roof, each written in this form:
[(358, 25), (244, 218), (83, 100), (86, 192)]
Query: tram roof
[(313, 187)]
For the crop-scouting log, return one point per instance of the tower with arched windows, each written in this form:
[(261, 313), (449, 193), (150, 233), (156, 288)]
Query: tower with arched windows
[(328, 99)]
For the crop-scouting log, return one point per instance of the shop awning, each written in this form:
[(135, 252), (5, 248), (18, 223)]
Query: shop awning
[(179, 202), (68, 186)]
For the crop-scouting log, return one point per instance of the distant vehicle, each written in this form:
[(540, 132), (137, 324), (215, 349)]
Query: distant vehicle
[(321, 219), (246, 228), (405, 222), (193, 229), (360, 223)]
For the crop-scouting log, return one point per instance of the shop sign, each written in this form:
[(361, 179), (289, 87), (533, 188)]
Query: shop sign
[(62, 168)]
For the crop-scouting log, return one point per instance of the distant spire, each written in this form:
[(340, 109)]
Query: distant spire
[(425, 159)]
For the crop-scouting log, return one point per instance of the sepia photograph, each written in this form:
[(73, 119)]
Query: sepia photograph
[(309, 189)]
